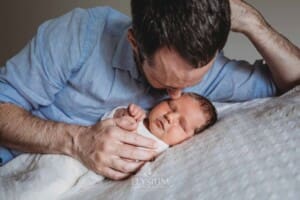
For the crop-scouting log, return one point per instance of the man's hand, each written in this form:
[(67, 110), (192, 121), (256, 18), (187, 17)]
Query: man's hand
[(109, 147), (243, 16)]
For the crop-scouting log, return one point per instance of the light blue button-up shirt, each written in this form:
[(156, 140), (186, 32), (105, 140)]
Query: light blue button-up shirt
[(80, 65)]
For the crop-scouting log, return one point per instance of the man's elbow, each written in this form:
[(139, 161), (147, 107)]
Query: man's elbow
[(284, 86)]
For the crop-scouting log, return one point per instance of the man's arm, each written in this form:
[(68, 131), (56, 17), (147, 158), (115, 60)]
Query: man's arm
[(100, 147), (282, 57)]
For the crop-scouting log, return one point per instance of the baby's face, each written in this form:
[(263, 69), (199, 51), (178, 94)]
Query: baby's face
[(174, 121)]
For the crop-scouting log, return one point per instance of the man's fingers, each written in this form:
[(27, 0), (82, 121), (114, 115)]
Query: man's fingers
[(134, 153), (125, 166), (114, 174), (103, 146), (137, 140)]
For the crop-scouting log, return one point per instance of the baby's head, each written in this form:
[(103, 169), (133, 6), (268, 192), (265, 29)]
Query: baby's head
[(174, 121)]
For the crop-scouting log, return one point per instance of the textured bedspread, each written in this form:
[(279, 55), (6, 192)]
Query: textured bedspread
[(253, 152)]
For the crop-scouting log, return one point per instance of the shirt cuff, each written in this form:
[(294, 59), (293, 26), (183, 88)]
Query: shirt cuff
[(5, 155)]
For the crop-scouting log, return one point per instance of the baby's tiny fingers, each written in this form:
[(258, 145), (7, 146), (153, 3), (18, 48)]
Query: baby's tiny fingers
[(141, 116)]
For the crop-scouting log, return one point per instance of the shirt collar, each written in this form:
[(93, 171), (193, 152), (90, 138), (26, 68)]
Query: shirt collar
[(123, 58)]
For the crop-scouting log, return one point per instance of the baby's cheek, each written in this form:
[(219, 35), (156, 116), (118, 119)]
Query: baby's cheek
[(176, 135), (154, 130)]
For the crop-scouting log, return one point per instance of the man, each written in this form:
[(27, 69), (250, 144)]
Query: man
[(80, 65)]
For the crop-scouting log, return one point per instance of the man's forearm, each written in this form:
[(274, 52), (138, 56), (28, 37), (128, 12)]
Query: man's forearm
[(282, 57), (24, 132)]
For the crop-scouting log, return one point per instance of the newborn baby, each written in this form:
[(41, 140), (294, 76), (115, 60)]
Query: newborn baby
[(36, 176), (171, 121)]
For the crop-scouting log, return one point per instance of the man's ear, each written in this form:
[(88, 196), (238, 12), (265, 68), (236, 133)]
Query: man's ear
[(131, 39)]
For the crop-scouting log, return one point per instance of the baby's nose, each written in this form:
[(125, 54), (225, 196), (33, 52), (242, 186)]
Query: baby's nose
[(172, 117)]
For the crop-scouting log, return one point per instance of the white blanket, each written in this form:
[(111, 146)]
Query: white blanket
[(252, 152), (35, 176)]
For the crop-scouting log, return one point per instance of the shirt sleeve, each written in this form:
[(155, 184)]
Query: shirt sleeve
[(234, 80), (33, 77)]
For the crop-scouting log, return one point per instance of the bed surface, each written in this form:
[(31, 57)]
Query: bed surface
[(252, 152)]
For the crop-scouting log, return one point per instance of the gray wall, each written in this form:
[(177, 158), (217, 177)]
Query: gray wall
[(20, 19)]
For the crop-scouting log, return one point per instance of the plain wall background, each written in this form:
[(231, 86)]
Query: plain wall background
[(20, 19)]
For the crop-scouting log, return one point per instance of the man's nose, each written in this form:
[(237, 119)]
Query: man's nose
[(174, 93)]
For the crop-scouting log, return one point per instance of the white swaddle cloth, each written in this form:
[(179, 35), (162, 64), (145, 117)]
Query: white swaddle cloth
[(141, 130), (37, 176)]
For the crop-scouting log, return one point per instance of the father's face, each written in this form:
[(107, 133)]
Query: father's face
[(167, 70)]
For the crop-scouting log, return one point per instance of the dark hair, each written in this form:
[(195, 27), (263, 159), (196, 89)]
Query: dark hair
[(208, 108), (196, 29)]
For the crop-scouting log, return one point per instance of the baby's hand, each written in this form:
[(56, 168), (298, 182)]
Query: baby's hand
[(136, 112), (121, 112)]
